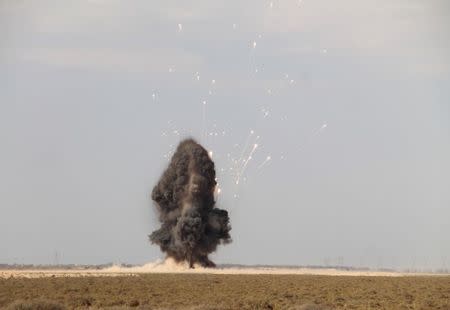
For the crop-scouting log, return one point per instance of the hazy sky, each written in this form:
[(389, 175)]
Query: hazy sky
[(350, 99)]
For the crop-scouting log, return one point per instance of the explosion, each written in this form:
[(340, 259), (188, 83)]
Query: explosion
[(191, 226)]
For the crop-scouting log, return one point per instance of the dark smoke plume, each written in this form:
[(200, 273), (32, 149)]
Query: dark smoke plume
[(191, 226)]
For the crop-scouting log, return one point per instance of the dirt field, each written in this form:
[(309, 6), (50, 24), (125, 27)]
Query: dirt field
[(226, 291)]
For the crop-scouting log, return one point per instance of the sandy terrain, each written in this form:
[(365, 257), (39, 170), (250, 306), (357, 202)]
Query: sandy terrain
[(169, 266)]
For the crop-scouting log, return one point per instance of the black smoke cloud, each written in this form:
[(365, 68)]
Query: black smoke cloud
[(191, 226)]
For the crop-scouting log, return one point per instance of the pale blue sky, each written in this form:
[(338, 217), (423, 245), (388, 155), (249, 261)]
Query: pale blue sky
[(93, 93)]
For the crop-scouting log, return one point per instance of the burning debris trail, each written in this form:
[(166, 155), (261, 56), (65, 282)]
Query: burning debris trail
[(192, 227)]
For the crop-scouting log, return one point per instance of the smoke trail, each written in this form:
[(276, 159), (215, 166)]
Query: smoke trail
[(191, 226)]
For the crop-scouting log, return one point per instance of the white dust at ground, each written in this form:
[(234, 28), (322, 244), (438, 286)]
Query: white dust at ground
[(170, 266)]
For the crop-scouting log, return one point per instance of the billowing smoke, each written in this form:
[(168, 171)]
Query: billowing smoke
[(191, 226)]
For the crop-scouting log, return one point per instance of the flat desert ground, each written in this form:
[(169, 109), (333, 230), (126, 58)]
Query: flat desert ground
[(168, 286)]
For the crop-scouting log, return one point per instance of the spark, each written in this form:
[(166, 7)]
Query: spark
[(255, 146), (213, 81), (254, 44), (314, 134), (247, 141), (154, 96), (268, 158), (291, 81), (323, 127), (210, 153)]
